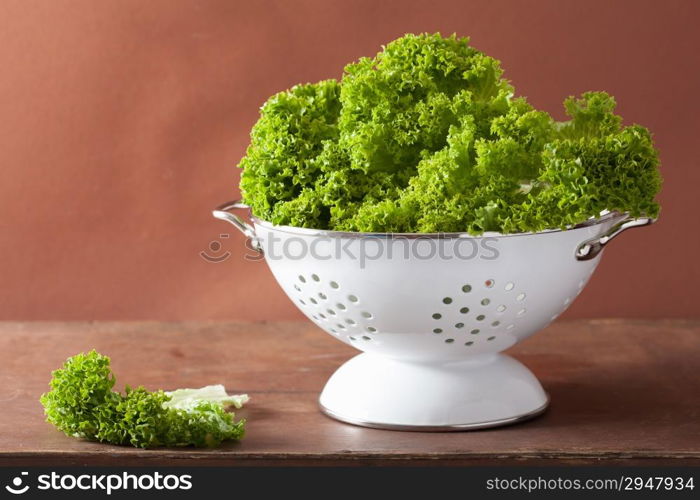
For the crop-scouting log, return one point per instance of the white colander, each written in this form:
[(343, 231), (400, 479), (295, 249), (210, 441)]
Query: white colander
[(431, 313)]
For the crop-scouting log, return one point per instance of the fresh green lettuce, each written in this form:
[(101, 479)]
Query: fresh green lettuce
[(429, 137), (187, 399), (82, 403)]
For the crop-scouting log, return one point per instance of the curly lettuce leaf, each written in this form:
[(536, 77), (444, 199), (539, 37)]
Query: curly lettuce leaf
[(428, 137), (81, 403), (186, 399), (281, 161)]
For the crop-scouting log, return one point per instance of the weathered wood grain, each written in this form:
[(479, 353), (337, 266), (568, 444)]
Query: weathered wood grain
[(623, 391)]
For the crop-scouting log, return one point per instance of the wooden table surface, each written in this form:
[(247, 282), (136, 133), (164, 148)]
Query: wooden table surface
[(623, 392)]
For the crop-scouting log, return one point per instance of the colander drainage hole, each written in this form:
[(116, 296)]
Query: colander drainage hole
[(485, 302), (371, 329), (501, 308), (331, 312), (510, 327), (352, 298), (350, 321), (313, 301), (315, 277), (301, 301), (467, 288), (340, 306), (322, 295), (520, 297), (437, 330), (366, 337), (437, 316), (447, 300), (322, 315), (366, 314), (509, 286), (334, 285), (341, 326), (302, 279), (296, 287), (464, 310), (480, 317), (474, 331), (495, 323), (469, 343), (449, 341), (459, 325), (490, 338), (522, 311), (352, 338)]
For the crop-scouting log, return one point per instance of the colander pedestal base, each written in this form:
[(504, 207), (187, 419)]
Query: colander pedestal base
[(486, 391)]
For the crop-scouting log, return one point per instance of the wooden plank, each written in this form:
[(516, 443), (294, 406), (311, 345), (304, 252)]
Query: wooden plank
[(623, 391)]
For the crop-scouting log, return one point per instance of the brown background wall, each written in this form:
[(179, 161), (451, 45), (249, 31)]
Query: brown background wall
[(121, 123)]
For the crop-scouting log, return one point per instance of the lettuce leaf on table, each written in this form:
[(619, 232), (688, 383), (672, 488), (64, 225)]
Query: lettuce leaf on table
[(82, 403)]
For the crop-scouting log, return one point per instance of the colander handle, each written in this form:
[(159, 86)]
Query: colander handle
[(589, 249), (224, 212)]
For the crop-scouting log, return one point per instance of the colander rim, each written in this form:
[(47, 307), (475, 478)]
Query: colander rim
[(593, 221)]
